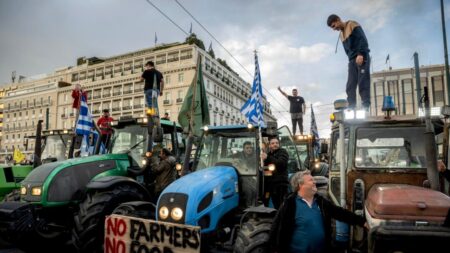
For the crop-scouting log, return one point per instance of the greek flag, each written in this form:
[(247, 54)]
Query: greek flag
[(314, 132), (84, 122), (253, 108)]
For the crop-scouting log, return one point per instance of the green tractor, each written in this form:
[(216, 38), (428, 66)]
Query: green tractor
[(308, 155), (55, 147), (72, 197)]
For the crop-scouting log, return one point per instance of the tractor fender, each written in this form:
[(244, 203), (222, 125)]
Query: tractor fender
[(108, 182), (261, 210)]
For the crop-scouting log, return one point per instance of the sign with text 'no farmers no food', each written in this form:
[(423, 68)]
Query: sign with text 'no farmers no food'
[(125, 234)]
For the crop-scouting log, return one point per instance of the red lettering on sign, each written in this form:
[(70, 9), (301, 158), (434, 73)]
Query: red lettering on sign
[(116, 225), (113, 246)]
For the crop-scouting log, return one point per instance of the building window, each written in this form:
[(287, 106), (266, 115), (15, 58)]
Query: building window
[(408, 97), (379, 94), (394, 92), (167, 79), (438, 90), (180, 77)]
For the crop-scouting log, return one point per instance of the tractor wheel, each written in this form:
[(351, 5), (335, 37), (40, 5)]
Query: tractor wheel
[(12, 196), (88, 232), (253, 237)]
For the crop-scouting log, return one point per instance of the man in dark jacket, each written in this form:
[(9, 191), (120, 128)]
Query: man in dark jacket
[(276, 186), (303, 222), (165, 171), (357, 49)]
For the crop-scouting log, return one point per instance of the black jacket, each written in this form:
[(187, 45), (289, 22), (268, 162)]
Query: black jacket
[(354, 41), (280, 158), (283, 225)]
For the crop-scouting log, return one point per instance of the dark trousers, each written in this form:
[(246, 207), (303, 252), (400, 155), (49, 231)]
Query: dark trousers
[(105, 140), (300, 125), (277, 192), (358, 76)]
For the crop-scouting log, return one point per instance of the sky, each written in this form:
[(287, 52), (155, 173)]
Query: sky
[(295, 47)]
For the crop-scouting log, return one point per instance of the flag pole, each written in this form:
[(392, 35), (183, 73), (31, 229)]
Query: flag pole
[(190, 138)]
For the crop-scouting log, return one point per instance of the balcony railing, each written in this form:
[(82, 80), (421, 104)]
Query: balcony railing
[(117, 93), (115, 109), (127, 91), (179, 100), (128, 107), (96, 96), (138, 106), (106, 95), (95, 111), (166, 102)]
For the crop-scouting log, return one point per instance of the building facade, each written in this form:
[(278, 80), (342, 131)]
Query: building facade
[(114, 83), (402, 86)]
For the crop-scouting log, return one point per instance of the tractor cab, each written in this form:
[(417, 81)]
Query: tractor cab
[(310, 155), (55, 145), (381, 168)]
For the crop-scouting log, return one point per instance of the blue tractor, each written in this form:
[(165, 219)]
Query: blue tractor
[(223, 193)]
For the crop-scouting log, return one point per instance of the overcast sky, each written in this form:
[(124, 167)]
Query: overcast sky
[(296, 48)]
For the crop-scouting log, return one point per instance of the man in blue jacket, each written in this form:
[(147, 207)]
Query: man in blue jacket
[(357, 49)]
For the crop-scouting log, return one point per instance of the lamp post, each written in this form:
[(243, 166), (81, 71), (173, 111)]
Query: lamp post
[(447, 75)]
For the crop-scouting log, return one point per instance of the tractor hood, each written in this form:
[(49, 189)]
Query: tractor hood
[(406, 202), (62, 181), (204, 196)]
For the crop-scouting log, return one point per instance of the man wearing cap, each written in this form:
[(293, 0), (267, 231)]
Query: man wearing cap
[(104, 123)]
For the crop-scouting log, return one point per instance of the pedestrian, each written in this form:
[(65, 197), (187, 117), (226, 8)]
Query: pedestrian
[(297, 109), (357, 49), (154, 85), (166, 116), (303, 222), (77, 93), (164, 171), (104, 123), (276, 186)]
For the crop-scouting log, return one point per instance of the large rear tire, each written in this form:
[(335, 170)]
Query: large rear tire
[(88, 232), (253, 237)]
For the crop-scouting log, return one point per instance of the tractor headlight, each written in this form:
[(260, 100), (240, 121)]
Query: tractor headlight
[(176, 213), (178, 166), (163, 212), (144, 162), (23, 190), (36, 191), (317, 165)]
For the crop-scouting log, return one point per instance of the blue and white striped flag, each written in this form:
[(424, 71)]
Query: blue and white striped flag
[(84, 123), (314, 132), (253, 108)]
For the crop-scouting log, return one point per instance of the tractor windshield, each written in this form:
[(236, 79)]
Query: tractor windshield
[(390, 148), (55, 147), (131, 139), (229, 148)]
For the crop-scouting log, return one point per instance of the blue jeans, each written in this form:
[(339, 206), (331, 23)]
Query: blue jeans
[(149, 97), (358, 76)]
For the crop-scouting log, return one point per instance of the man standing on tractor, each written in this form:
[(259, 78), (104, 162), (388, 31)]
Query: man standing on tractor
[(276, 186), (297, 109), (77, 93), (357, 49), (150, 90), (104, 123)]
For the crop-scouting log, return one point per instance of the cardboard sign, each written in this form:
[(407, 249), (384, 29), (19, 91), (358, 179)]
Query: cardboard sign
[(125, 234)]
